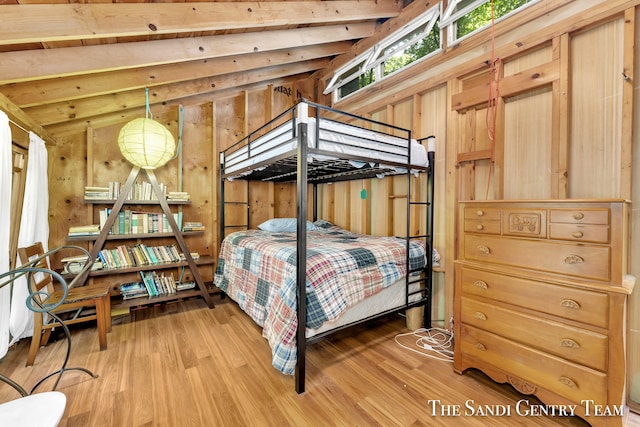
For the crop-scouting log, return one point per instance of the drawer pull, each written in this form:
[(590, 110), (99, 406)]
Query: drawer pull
[(480, 227), (568, 382), (568, 342), (479, 315), (480, 284), (480, 212), (484, 249), (573, 259), (578, 216), (577, 234), (569, 303), (481, 347)]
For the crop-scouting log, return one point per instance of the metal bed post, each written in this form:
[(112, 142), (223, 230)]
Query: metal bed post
[(221, 193), (301, 258), (429, 224)]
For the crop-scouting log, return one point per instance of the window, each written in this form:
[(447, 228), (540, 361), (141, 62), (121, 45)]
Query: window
[(418, 39), (464, 17)]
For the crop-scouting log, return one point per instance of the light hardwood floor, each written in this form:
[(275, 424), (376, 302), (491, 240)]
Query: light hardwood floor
[(186, 365)]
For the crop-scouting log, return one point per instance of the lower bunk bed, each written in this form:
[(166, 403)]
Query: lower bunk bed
[(305, 271)]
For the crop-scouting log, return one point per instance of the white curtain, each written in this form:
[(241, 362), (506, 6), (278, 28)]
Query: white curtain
[(6, 174), (34, 227)]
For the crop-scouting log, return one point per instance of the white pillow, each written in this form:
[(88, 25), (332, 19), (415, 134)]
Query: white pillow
[(284, 225)]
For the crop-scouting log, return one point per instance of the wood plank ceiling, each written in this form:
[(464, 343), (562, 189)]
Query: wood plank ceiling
[(73, 65)]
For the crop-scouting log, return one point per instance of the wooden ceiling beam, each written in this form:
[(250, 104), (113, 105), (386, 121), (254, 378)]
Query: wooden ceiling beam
[(29, 23), (73, 127), (19, 66), (114, 103), (41, 92)]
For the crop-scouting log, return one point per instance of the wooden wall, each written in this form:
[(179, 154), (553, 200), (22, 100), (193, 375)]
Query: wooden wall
[(564, 124)]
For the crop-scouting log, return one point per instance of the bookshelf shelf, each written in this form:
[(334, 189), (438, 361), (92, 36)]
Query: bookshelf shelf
[(139, 302), (136, 202), (130, 236), (203, 260), (99, 241)]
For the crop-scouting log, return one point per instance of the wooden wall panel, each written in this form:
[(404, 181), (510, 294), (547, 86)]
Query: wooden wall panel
[(527, 133), (197, 178), (596, 105), (633, 362), (381, 207), (527, 147), (433, 121), (66, 189)]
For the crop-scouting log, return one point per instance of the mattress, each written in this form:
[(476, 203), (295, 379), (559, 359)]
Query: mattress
[(387, 299), (336, 140), (258, 270)]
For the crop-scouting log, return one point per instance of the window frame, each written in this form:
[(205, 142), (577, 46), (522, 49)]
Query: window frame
[(450, 17), (375, 57)]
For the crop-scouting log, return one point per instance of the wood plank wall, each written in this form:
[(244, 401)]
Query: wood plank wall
[(565, 121)]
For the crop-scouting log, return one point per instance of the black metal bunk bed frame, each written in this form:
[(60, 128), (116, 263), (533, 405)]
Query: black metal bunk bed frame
[(284, 167)]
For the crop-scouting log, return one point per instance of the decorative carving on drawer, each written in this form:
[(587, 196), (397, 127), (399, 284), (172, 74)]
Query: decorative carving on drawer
[(568, 382), (569, 303), (573, 259), (521, 385), (568, 342), (524, 223)]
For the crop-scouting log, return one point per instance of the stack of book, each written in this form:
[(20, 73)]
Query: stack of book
[(194, 256), (84, 230), (133, 290), (74, 264), (96, 193), (178, 196), (183, 286), (193, 226)]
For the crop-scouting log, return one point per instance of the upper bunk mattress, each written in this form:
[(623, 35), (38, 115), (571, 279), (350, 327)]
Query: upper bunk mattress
[(336, 140)]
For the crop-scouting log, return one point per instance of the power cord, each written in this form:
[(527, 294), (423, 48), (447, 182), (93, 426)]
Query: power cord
[(434, 340)]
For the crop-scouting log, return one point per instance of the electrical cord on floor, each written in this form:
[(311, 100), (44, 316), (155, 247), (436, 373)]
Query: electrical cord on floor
[(434, 340)]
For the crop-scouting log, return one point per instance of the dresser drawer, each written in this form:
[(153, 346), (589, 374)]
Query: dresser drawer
[(569, 380), (570, 303), (482, 220), (579, 232), (574, 344), (580, 216), (588, 261), (481, 212)]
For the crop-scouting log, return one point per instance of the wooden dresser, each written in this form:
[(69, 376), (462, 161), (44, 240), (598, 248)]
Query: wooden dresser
[(540, 299)]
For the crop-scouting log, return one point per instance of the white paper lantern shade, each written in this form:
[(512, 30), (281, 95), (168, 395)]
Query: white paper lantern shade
[(146, 143)]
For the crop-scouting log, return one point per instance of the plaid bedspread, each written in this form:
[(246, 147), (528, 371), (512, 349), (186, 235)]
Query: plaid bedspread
[(257, 269)]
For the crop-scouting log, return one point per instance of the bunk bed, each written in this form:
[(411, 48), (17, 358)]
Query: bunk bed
[(313, 272)]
